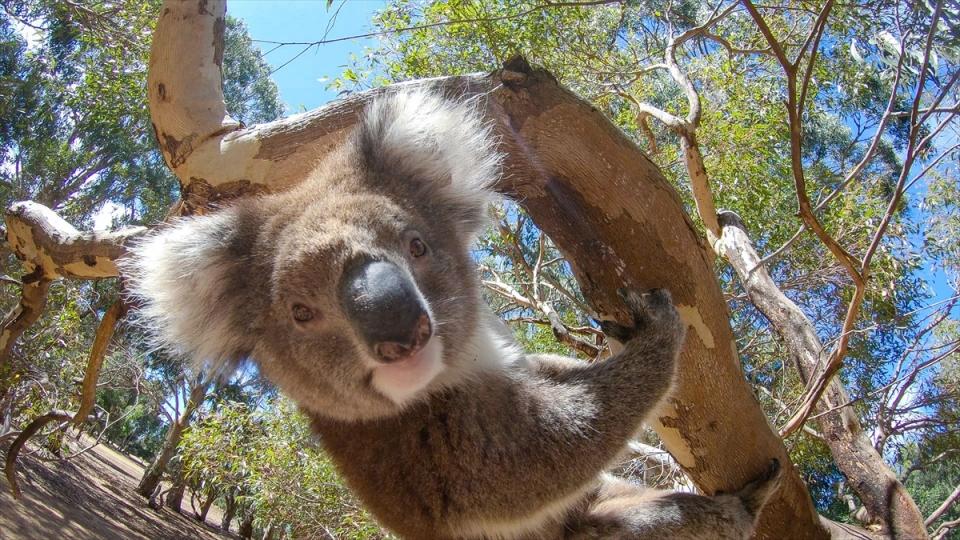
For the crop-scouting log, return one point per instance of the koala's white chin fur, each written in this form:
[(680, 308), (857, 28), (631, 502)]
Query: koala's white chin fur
[(401, 381)]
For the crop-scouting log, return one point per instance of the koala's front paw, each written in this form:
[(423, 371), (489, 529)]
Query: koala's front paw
[(654, 316)]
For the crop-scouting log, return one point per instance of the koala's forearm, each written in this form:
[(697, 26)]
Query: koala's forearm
[(632, 382), (474, 469)]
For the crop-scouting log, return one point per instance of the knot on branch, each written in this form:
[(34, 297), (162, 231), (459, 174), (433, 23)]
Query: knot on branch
[(518, 73)]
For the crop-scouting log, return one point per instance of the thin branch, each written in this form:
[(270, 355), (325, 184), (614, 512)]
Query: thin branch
[(858, 168), (944, 528), (775, 45), (95, 361), (930, 165), (909, 377), (942, 509), (731, 50), (815, 34), (675, 123)]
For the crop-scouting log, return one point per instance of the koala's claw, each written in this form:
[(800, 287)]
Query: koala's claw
[(617, 331), (652, 311)]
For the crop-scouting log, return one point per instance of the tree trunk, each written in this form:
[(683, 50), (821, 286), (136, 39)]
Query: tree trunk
[(206, 504), (174, 498), (886, 500), (231, 509), (153, 474), (245, 529)]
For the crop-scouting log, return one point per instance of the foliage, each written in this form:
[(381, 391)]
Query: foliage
[(63, 144), (251, 96), (271, 459)]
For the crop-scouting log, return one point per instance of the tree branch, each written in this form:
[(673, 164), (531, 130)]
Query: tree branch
[(871, 478), (10, 469), (95, 361), (44, 241), (942, 509)]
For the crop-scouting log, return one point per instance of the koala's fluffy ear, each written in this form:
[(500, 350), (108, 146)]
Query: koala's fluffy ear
[(443, 145), (184, 277)]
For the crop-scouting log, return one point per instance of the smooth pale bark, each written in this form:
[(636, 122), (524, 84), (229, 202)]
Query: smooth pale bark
[(590, 188), (884, 497), (51, 248)]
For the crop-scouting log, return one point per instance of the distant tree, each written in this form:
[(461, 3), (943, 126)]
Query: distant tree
[(270, 465), (76, 135)]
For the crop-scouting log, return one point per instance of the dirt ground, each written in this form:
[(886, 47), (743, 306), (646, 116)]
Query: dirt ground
[(92, 497)]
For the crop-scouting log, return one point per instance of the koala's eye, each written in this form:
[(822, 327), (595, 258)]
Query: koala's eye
[(302, 313), (417, 248)]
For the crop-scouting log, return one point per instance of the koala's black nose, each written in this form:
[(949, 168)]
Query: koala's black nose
[(385, 307)]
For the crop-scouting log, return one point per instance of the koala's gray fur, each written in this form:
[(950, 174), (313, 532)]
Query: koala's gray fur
[(440, 425)]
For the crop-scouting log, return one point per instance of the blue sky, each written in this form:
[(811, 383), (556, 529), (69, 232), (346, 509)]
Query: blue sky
[(300, 82)]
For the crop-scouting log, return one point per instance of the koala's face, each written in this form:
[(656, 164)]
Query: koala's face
[(368, 303), (354, 292)]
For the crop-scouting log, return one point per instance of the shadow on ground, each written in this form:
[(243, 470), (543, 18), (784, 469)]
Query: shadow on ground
[(90, 497)]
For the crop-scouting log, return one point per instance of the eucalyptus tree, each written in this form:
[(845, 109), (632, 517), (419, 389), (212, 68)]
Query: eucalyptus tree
[(821, 126), (76, 137)]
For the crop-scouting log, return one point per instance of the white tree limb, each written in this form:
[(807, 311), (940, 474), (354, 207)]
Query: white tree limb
[(45, 241)]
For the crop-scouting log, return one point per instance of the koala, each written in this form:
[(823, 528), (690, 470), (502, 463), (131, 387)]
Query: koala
[(356, 294)]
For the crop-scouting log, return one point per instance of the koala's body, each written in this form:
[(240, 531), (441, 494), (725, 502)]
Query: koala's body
[(356, 294)]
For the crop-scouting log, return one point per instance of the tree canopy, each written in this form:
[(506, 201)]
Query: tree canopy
[(829, 130)]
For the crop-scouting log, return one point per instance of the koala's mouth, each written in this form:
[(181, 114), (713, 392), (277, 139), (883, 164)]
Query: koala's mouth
[(401, 379)]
